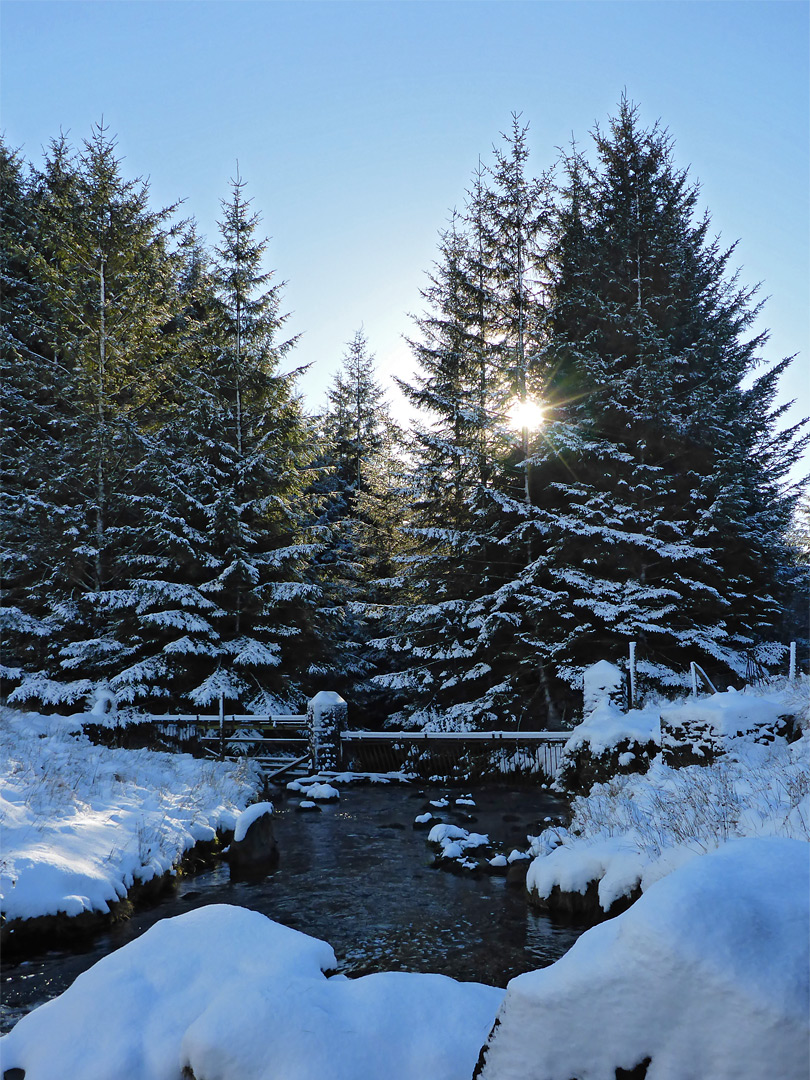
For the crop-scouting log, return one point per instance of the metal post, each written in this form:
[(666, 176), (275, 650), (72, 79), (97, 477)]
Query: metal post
[(693, 669), (221, 727), (792, 671), (632, 674)]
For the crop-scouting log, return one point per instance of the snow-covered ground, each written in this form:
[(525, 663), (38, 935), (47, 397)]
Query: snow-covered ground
[(232, 995), (635, 829), (81, 823), (705, 976)]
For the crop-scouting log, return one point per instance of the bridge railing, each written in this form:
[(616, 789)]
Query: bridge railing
[(233, 733), (275, 740), (461, 755)]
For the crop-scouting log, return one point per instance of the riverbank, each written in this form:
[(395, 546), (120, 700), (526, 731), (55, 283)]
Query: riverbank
[(89, 830)]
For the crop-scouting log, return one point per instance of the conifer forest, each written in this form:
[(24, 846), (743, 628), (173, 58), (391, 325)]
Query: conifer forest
[(595, 457)]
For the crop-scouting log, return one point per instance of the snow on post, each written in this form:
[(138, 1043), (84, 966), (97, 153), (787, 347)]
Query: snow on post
[(601, 682), (327, 715), (792, 669)]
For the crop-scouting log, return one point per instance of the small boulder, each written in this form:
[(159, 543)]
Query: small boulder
[(253, 852)]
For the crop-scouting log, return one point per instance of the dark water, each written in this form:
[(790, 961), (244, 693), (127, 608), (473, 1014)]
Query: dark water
[(358, 875)]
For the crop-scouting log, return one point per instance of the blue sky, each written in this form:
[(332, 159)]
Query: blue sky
[(358, 125)]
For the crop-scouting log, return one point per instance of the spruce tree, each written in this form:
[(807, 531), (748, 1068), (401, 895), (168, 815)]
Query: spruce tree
[(479, 352)]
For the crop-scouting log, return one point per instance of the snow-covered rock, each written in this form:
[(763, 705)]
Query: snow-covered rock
[(253, 851), (247, 817), (609, 741), (700, 729), (231, 995), (705, 976), (322, 793)]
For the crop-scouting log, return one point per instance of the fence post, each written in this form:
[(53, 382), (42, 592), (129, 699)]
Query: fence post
[(632, 675), (693, 670), (221, 727), (792, 670), (327, 714)]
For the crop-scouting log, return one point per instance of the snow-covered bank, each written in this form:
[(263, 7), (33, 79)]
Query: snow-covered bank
[(705, 976), (81, 824), (634, 829), (230, 995)]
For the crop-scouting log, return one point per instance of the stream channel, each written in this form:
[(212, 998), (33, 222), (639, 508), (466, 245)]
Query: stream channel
[(358, 875)]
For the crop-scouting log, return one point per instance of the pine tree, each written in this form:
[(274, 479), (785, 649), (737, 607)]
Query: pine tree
[(99, 261), (361, 519), (251, 452), (479, 351), (34, 434), (660, 480)]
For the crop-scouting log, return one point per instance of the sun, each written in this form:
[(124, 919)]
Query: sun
[(525, 414)]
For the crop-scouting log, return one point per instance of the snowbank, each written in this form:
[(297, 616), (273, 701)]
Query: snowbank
[(81, 823), (706, 975), (232, 995), (628, 833)]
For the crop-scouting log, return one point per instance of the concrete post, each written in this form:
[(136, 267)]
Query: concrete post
[(327, 715), (602, 681)]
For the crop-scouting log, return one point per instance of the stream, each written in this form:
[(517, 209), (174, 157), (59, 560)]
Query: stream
[(358, 875)]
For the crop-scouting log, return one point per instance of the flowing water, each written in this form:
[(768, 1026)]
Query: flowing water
[(358, 875)]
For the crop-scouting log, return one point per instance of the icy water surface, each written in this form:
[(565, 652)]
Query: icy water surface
[(358, 875)]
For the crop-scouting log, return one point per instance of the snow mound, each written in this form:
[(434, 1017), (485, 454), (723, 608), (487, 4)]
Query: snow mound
[(232, 995), (706, 975), (607, 726)]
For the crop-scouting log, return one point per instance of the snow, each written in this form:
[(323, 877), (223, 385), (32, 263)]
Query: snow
[(455, 842), (726, 714), (324, 702), (607, 726), (232, 995), (322, 793), (602, 682), (633, 830), (247, 817), (81, 823), (423, 819), (706, 974), (731, 713)]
